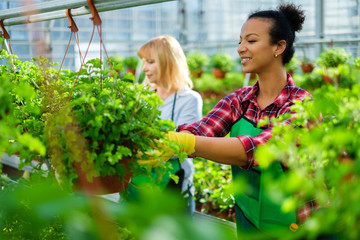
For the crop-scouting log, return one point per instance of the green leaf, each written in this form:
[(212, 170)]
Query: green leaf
[(34, 144)]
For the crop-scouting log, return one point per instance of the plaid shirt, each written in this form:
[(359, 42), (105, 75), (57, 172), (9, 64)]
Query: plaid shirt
[(219, 121)]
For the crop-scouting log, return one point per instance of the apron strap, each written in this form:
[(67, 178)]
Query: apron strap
[(173, 108)]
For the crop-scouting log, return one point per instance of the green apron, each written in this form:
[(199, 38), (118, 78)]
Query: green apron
[(140, 181), (254, 209)]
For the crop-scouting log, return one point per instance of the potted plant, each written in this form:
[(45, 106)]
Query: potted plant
[(306, 65), (130, 63), (221, 63), (94, 128), (197, 61), (330, 61)]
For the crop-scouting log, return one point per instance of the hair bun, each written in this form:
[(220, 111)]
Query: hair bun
[(294, 14)]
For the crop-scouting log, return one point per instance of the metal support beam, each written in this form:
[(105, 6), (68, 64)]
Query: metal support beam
[(231, 44), (328, 41), (183, 22), (56, 9), (319, 23), (45, 7)]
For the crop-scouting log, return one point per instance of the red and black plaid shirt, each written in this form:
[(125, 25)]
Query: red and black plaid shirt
[(218, 122)]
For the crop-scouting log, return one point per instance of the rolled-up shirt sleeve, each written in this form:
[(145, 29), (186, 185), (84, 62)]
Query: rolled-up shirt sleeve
[(218, 122), (250, 143)]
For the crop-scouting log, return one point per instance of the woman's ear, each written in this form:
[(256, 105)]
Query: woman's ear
[(280, 47)]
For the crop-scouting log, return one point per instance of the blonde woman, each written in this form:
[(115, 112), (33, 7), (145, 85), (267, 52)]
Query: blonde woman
[(167, 73)]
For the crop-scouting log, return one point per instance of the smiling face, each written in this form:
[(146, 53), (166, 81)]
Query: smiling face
[(255, 49), (150, 68)]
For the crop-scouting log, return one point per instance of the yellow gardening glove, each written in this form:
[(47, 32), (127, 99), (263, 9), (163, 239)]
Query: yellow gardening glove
[(163, 153)]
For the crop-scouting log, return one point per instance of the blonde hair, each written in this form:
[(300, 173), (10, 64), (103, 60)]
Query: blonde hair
[(173, 71)]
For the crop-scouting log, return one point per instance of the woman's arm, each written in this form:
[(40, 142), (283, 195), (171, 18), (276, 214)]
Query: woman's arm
[(227, 150)]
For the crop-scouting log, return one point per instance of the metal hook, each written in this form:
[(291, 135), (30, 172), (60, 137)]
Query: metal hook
[(72, 26), (95, 15), (5, 33)]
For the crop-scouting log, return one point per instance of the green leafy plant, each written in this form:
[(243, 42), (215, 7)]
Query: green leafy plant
[(117, 63), (333, 57), (321, 150), (212, 183), (197, 62), (116, 60), (21, 132), (222, 61), (309, 82), (131, 62), (90, 122), (333, 66), (357, 63), (305, 60), (210, 87)]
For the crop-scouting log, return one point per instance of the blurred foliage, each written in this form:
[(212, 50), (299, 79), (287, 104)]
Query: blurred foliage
[(212, 182), (13, 138), (39, 209), (117, 61), (197, 61), (333, 57), (222, 61), (357, 63), (293, 65), (209, 86), (131, 62), (324, 160)]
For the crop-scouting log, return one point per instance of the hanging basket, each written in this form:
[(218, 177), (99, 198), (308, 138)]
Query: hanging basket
[(307, 68), (103, 185)]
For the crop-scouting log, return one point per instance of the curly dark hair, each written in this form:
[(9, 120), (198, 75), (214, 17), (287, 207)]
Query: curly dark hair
[(286, 20)]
